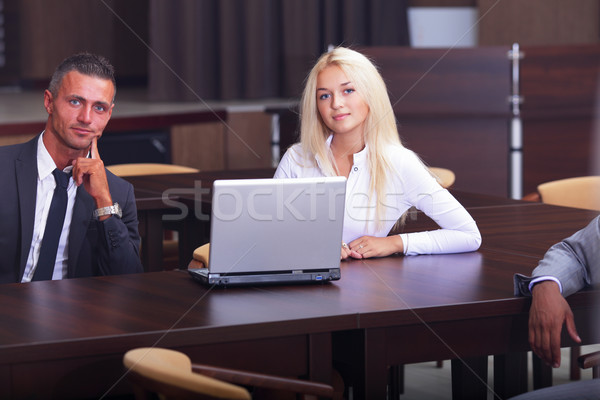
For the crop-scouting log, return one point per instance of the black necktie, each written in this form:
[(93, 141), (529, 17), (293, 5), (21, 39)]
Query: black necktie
[(54, 224)]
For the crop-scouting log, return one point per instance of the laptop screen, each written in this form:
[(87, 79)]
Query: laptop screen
[(270, 225)]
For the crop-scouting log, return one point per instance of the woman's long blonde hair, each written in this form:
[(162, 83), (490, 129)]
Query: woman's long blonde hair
[(380, 130)]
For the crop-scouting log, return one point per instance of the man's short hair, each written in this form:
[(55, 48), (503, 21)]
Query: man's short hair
[(86, 64)]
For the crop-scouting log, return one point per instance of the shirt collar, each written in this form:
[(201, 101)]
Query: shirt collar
[(359, 158), (45, 162)]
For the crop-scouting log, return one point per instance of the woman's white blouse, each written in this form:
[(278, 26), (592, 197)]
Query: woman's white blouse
[(412, 185)]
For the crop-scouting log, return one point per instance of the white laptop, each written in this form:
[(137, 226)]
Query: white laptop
[(275, 231)]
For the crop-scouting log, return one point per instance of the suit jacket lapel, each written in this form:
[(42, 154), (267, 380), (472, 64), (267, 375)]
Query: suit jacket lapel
[(26, 173), (82, 215)]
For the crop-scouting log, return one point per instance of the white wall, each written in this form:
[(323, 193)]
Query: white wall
[(443, 26)]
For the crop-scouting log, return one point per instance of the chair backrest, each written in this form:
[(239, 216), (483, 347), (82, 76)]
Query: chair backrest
[(579, 192), (169, 373), (137, 169), (444, 176)]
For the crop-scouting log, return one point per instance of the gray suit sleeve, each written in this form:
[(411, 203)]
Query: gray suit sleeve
[(575, 262)]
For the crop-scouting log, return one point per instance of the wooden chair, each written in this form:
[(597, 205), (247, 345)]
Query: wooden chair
[(170, 374), (138, 169), (591, 360), (200, 257), (170, 242), (578, 192), (444, 176)]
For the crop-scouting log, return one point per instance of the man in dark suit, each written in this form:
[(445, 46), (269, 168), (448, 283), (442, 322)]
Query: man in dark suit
[(99, 235)]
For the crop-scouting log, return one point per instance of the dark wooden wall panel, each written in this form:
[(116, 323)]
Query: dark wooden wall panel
[(560, 79), (459, 82), (538, 22), (560, 112), (475, 149), (452, 109), (557, 148), (49, 32), (5, 383)]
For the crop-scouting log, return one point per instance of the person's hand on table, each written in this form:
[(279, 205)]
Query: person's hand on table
[(371, 246)]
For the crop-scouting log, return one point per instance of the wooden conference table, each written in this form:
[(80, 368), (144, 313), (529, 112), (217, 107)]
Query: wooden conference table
[(192, 190), (65, 339), (482, 319)]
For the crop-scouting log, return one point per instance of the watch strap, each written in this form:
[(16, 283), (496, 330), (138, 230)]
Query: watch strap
[(115, 209)]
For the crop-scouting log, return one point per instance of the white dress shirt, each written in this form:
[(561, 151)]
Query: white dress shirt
[(45, 190), (410, 184)]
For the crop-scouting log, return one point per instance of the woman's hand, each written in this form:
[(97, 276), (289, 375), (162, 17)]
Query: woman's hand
[(371, 246), (346, 252)]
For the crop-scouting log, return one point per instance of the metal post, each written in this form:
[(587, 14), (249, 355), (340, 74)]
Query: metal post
[(516, 129)]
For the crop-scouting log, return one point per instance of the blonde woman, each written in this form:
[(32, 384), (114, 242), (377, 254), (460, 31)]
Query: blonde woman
[(348, 129)]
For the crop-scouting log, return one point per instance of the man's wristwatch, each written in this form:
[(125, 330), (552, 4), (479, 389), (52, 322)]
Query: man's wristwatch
[(115, 209)]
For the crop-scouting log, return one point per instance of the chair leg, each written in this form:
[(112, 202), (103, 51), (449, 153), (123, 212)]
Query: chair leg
[(396, 381), (542, 373), (469, 377), (510, 374), (338, 385), (574, 371)]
